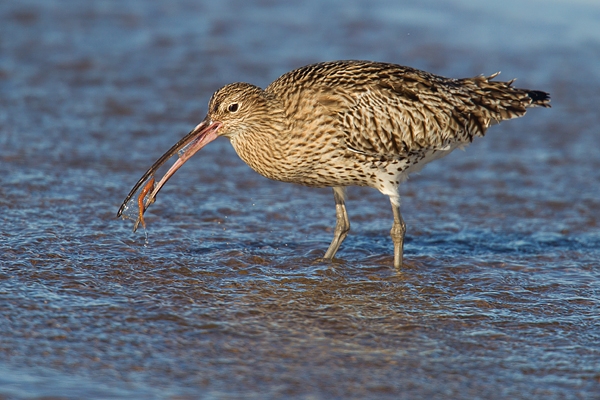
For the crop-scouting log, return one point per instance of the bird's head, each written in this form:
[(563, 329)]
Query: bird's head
[(233, 110), (237, 108)]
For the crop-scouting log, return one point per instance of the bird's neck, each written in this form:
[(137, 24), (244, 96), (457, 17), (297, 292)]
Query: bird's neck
[(264, 145)]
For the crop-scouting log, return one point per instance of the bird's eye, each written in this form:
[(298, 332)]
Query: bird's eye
[(233, 107)]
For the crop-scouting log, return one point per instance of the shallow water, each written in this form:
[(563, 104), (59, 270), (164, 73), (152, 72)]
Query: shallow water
[(227, 297)]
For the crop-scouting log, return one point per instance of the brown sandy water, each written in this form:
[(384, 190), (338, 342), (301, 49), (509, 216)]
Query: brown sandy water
[(227, 297)]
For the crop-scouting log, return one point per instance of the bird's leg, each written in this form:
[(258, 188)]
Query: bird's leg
[(397, 233), (342, 225)]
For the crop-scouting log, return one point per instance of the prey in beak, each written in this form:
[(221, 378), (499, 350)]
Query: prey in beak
[(204, 133)]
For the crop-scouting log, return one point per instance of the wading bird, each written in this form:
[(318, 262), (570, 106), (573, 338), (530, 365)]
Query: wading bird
[(344, 123)]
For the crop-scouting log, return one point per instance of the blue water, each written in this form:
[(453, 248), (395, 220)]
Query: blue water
[(224, 295)]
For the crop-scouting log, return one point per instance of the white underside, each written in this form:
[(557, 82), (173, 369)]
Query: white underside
[(389, 187)]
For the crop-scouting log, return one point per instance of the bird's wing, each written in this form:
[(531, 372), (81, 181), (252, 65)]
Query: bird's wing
[(411, 112), (390, 110)]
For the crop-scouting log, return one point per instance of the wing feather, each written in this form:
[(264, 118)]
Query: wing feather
[(390, 110)]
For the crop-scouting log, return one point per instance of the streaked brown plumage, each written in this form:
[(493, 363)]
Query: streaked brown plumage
[(347, 123)]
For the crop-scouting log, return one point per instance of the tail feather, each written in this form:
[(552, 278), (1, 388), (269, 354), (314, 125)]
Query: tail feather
[(539, 98), (497, 101)]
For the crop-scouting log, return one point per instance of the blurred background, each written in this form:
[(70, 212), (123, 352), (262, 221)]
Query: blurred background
[(224, 294)]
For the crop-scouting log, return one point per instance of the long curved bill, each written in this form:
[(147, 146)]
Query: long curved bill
[(204, 133)]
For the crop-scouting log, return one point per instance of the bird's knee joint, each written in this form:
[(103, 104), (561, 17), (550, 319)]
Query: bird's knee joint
[(342, 230), (346, 228), (398, 231)]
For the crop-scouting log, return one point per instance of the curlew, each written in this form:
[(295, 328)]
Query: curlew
[(345, 123)]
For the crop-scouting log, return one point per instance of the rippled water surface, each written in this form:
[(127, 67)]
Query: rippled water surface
[(227, 297)]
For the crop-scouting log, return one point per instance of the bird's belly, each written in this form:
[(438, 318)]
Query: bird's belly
[(349, 169), (355, 170), (384, 175)]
